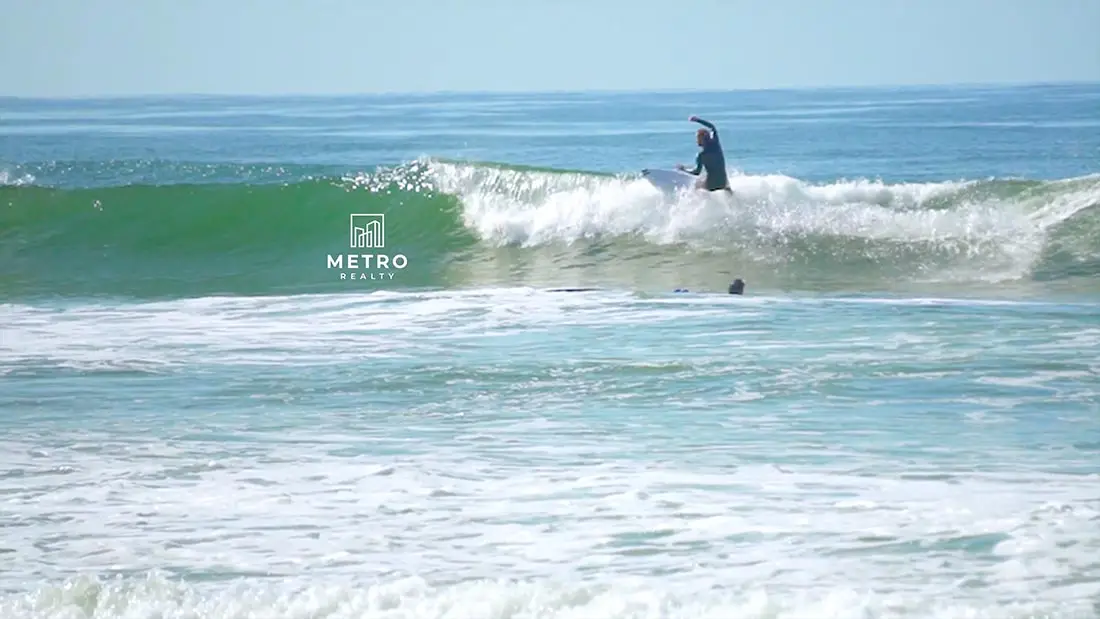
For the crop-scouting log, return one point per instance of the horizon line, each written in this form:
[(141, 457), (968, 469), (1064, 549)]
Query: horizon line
[(552, 91)]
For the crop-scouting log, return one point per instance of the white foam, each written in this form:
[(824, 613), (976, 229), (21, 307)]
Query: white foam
[(509, 206), (7, 177), (1003, 237), (673, 457), (415, 598), (333, 329), (314, 533)]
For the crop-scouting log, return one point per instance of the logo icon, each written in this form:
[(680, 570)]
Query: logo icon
[(368, 230)]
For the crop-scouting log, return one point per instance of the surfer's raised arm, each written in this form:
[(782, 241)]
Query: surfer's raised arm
[(707, 124)]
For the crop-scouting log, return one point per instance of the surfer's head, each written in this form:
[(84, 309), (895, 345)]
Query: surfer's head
[(702, 136)]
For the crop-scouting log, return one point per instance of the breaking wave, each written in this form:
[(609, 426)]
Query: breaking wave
[(484, 224)]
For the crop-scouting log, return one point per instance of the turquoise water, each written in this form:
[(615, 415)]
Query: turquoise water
[(900, 417)]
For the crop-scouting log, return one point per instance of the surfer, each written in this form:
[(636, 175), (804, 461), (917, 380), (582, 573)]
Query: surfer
[(710, 158)]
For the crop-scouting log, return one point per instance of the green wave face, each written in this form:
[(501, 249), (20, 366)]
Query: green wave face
[(459, 224)]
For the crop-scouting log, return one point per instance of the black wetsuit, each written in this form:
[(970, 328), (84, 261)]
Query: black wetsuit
[(712, 160)]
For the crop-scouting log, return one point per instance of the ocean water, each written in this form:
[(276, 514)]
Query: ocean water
[(206, 411)]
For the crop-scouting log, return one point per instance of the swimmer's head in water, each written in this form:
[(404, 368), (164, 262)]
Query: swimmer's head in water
[(702, 136)]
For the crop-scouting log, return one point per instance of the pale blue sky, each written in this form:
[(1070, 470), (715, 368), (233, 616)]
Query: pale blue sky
[(113, 47)]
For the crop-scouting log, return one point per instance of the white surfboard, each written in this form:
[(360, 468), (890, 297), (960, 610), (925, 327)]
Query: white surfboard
[(670, 180)]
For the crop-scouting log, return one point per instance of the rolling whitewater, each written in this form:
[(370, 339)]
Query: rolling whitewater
[(211, 405)]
